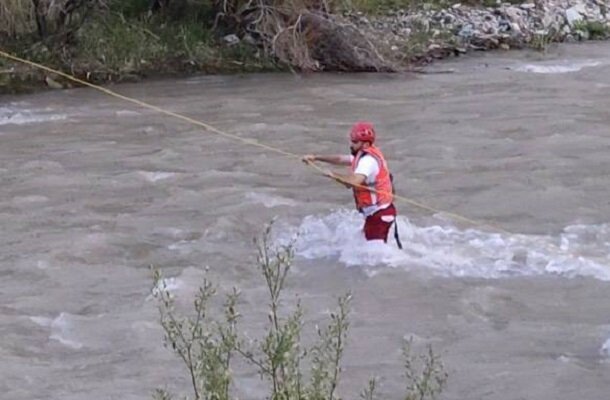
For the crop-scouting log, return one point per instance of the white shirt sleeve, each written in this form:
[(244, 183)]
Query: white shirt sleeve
[(347, 159), (368, 166)]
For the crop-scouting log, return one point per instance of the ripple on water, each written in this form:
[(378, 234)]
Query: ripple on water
[(561, 67), (13, 115)]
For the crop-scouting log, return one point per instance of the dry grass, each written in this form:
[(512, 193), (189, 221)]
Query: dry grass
[(44, 17), (17, 17), (304, 34)]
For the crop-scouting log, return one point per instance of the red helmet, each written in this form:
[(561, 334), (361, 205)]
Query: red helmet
[(362, 132)]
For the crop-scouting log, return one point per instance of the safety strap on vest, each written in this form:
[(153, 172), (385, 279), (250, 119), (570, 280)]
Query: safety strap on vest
[(398, 243), (396, 237)]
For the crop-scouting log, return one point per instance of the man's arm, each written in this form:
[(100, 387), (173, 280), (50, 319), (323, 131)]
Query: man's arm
[(348, 180), (335, 159), (367, 167)]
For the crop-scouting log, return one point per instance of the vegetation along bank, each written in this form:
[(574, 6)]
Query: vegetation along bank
[(125, 40)]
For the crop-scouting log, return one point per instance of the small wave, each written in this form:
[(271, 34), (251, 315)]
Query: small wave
[(182, 287), (560, 68), (77, 332), (183, 247), (169, 285), (270, 201), (126, 113), (61, 329), (605, 350), (12, 116), (32, 199), (154, 176), (446, 250), (42, 321)]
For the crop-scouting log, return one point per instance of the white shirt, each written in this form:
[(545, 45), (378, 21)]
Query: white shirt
[(369, 167)]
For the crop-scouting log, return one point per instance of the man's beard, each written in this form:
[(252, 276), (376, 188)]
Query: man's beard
[(353, 152)]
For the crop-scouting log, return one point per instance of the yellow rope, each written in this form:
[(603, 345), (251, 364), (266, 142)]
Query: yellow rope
[(211, 128)]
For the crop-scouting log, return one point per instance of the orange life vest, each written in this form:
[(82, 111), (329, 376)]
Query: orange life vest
[(368, 202)]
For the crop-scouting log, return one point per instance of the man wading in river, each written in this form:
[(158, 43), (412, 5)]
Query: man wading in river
[(368, 170)]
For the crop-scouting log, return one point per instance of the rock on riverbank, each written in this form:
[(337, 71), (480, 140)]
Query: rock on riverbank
[(435, 33)]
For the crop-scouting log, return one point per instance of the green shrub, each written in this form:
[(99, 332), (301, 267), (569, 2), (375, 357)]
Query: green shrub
[(208, 346), (592, 29)]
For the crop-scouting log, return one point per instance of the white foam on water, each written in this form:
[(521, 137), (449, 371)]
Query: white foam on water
[(558, 68), (18, 116), (62, 329), (605, 350), (582, 250), (175, 233), (170, 285), (182, 287), (79, 331), (154, 176), (42, 321), (184, 247), (126, 113), (24, 200), (270, 201)]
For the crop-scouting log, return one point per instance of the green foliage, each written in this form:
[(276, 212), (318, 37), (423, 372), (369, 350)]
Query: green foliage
[(542, 40), (168, 10), (592, 29), (161, 394), (208, 346), (124, 40), (130, 8), (327, 354), (16, 17), (116, 45), (369, 392), (425, 374), (203, 344)]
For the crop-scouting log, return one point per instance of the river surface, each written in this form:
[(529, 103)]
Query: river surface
[(93, 191)]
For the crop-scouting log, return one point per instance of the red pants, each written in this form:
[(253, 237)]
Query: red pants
[(377, 226)]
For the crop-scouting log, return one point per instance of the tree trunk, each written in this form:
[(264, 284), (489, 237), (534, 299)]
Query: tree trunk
[(41, 20)]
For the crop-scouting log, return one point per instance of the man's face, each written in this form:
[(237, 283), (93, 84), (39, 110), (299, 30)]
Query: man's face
[(355, 147)]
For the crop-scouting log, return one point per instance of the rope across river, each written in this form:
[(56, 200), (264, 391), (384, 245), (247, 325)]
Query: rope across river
[(254, 143)]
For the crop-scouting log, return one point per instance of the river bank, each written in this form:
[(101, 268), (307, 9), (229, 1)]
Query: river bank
[(126, 45), (431, 33)]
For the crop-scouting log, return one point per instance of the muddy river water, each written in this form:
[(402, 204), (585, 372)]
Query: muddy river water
[(94, 190)]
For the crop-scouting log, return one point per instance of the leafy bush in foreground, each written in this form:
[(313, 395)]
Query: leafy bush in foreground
[(208, 347)]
